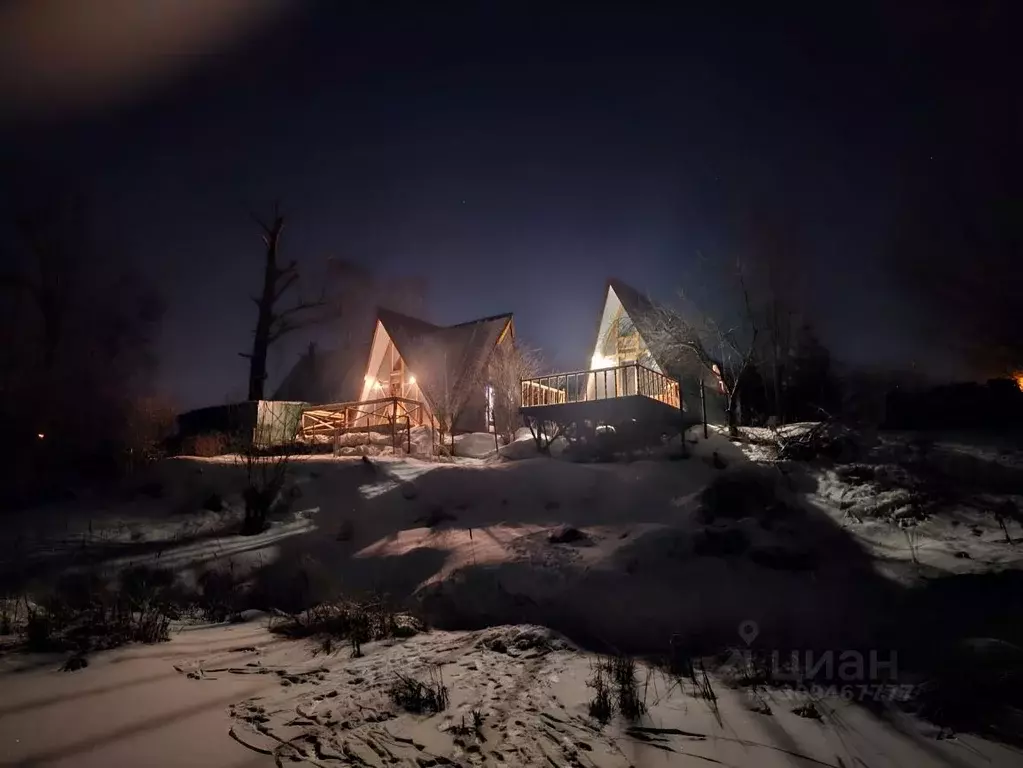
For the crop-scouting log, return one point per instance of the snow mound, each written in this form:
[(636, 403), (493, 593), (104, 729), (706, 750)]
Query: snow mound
[(422, 440), (514, 640), (716, 443), (522, 433), (558, 447), (522, 447), (874, 492), (475, 445), (351, 439)]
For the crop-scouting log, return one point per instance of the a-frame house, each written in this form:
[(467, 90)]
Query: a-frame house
[(418, 373), (442, 367), (626, 383), (626, 323)]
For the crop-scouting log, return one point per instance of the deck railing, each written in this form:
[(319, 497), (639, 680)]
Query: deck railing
[(600, 384), (342, 417)]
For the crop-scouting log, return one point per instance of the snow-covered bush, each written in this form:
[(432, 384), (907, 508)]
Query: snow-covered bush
[(750, 492)]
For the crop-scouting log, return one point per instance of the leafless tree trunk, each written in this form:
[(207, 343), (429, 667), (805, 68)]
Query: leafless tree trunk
[(272, 323), (76, 326), (48, 283), (777, 348)]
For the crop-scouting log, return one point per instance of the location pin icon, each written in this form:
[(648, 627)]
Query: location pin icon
[(748, 631)]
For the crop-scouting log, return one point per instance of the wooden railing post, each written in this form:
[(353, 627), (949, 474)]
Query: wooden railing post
[(629, 379)]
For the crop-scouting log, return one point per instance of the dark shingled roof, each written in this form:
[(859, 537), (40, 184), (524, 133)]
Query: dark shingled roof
[(443, 358), (637, 306), (642, 312), (326, 375)]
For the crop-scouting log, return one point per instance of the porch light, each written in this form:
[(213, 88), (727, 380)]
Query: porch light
[(411, 380), (370, 380)]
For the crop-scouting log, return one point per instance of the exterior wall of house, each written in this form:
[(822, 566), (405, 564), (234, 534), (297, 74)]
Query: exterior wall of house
[(618, 343), (473, 415), (388, 375), (393, 378)]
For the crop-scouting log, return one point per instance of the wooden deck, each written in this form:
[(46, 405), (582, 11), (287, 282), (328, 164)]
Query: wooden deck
[(630, 392)]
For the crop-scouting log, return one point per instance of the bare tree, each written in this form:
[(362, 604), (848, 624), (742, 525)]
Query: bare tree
[(272, 323), (683, 335), (446, 400), (49, 272), (450, 379), (774, 268), (147, 422), (77, 327), (509, 365)]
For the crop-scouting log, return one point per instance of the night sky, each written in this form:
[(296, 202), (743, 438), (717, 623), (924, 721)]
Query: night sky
[(519, 155)]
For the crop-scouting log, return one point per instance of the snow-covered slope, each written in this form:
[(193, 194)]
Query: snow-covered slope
[(634, 556), (234, 696)]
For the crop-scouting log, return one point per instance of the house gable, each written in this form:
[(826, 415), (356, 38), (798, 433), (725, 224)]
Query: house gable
[(624, 321)]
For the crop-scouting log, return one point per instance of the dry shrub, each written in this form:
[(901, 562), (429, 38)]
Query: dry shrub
[(84, 612), (419, 697), (623, 672), (614, 684), (352, 620), (265, 476), (206, 445), (601, 705), (148, 423), (218, 596)]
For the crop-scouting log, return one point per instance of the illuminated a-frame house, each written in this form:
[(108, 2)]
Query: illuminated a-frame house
[(419, 374), (625, 382)]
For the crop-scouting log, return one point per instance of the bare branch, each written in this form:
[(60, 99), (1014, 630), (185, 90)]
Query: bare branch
[(509, 364), (304, 306), (289, 281), (684, 337)]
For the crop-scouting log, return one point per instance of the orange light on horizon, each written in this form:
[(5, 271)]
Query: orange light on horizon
[(1018, 378)]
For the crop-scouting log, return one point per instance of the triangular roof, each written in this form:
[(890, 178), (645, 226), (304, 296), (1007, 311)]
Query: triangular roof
[(640, 310), (441, 357), (326, 375)]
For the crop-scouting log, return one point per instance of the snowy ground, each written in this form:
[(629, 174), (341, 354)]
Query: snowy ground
[(937, 502), (236, 696), (129, 707), (650, 559)]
